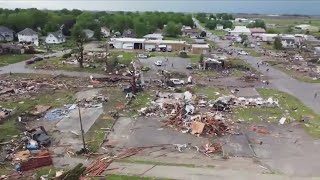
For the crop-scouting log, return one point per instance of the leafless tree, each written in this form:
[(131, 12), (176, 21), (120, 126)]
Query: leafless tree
[(80, 41)]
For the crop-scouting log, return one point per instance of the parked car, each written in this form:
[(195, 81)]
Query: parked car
[(31, 61), (242, 53), (142, 56), (177, 81), (40, 135), (158, 63), (258, 44), (189, 66), (36, 59)]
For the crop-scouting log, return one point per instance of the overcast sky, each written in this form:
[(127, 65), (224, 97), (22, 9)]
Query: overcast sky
[(230, 6)]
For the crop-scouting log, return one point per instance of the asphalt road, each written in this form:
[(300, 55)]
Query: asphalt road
[(305, 92)]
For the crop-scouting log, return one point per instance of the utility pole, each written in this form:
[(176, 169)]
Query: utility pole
[(82, 132)]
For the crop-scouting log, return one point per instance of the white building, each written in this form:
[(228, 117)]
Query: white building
[(267, 37), (154, 36), (105, 32), (29, 36), (307, 27), (55, 38), (288, 41), (240, 30), (141, 43), (219, 27), (127, 43), (241, 20)]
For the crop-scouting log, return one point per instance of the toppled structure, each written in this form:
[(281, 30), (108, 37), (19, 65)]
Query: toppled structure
[(224, 102), (203, 124), (196, 114), (181, 113)]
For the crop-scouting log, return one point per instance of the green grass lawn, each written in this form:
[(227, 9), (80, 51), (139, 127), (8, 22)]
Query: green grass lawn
[(215, 32), (164, 54), (127, 56), (314, 22), (218, 32), (13, 58), (295, 74), (295, 109), (57, 64), (269, 47), (95, 136), (141, 101), (52, 98), (158, 163), (194, 58), (240, 64), (253, 53), (211, 92)]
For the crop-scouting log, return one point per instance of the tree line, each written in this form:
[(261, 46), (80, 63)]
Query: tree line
[(213, 20), (225, 20), (45, 21)]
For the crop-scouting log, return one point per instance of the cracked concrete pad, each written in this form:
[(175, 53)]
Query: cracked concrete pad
[(72, 122), (237, 146), (145, 131), (88, 115)]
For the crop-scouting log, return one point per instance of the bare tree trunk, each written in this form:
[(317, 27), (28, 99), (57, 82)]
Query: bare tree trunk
[(80, 58), (133, 83)]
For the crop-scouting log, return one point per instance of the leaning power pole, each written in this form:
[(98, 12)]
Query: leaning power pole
[(82, 132)]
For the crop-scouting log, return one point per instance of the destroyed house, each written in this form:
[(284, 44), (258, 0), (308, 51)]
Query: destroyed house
[(288, 41), (190, 32), (6, 34), (211, 63), (11, 49)]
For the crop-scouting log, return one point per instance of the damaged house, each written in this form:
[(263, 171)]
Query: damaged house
[(288, 41), (211, 63), (188, 31), (6, 34), (11, 49)]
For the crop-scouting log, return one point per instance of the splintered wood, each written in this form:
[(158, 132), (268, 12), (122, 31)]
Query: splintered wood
[(202, 124)]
